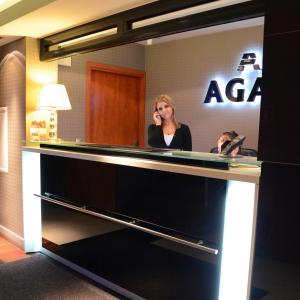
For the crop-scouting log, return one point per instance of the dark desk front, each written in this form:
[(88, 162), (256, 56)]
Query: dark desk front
[(143, 227)]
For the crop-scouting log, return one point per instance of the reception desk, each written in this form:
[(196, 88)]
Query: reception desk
[(147, 223)]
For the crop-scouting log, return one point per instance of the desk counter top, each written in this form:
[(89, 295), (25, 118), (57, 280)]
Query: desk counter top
[(237, 171)]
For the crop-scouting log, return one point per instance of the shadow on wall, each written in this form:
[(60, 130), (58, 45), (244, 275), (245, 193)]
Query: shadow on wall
[(16, 56), (12, 96)]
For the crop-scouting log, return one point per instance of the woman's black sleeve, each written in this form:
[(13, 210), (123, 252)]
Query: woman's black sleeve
[(187, 146), (155, 136)]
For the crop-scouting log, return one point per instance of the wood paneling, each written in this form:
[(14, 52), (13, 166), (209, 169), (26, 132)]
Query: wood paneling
[(115, 105), (9, 252)]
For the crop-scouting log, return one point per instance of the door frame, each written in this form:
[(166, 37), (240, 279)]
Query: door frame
[(93, 66)]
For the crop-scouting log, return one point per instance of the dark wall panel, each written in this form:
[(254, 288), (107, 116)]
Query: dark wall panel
[(185, 205), (279, 120), (278, 227), (276, 269), (277, 265), (281, 16)]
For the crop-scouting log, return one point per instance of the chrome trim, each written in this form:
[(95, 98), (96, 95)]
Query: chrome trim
[(197, 245)]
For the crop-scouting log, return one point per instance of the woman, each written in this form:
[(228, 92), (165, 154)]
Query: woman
[(224, 137), (166, 132), (229, 136)]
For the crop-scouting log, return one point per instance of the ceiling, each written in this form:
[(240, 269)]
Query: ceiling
[(44, 17), (41, 18)]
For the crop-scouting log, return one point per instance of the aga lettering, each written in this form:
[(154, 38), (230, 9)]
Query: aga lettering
[(214, 91)]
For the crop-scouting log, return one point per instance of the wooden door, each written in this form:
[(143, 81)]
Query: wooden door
[(115, 105)]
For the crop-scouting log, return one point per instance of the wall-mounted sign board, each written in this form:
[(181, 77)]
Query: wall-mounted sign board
[(237, 89)]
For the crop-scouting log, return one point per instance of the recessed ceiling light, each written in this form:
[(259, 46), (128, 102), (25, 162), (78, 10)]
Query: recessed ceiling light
[(86, 38)]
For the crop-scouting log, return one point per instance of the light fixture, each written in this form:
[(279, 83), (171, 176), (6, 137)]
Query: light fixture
[(85, 38), (149, 42), (185, 12), (238, 238), (53, 97)]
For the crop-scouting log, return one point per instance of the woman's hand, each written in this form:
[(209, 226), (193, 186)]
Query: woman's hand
[(157, 118)]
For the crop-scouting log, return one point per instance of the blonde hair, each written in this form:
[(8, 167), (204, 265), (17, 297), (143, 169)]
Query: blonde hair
[(167, 99)]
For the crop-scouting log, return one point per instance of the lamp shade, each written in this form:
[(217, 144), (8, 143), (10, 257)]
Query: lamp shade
[(53, 96)]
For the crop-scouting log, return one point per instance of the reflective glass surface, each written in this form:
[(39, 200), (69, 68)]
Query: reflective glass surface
[(170, 155)]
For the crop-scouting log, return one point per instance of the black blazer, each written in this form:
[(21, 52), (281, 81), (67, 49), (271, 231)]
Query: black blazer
[(182, 138)]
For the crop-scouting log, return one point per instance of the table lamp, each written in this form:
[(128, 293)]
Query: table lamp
[(53, 97)]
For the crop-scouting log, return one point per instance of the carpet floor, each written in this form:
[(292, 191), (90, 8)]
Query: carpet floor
[(39, 277)]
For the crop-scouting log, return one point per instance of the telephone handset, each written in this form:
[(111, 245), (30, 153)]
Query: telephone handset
[(158, 116), (228, 146)]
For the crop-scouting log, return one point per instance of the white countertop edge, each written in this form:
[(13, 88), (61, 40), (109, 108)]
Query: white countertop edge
[(251, 174)]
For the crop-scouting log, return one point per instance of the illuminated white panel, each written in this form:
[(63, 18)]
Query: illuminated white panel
[(31, 204), (185, 12), (86, 38), (237, 253), (3, 140)]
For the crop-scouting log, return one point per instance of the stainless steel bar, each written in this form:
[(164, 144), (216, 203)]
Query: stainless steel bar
[(198, 246)]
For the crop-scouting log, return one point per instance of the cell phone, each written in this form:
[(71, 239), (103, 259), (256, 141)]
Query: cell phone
[(158, 117), (228, 146)]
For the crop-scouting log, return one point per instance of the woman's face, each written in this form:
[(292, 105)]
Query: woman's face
[(164, 110)]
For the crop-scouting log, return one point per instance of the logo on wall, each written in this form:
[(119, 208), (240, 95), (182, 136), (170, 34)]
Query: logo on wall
[(248, 61)]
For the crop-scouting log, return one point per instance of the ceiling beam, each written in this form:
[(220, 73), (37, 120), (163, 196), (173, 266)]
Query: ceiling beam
[(51, 47)]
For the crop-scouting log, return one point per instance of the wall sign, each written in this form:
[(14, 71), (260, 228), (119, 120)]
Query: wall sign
[(249, 60)]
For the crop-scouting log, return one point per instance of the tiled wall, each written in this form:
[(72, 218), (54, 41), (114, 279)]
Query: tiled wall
[(12, 95)]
